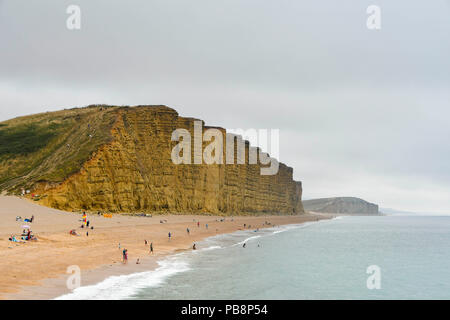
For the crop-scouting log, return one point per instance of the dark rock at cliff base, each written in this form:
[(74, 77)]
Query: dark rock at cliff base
[(349, 205)]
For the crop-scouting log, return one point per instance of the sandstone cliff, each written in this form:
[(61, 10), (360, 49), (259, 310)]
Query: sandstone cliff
[(348, 205), (127, 167)]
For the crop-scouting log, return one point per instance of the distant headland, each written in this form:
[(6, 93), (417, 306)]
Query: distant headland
[(345, 205)]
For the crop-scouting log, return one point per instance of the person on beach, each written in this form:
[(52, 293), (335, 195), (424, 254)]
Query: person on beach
[(125, 255), (145, 242), (137, 261), (170, 236), (151, 248), (244, 245), (198, 224), (188, 231), (206, 226), (194, 247)]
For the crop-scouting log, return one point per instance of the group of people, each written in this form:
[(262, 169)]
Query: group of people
[(151, 250), (125, 253), (27, 234), (87, 223)]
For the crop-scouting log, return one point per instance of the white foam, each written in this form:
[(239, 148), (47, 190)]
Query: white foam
[(207, 249), (246, 240), (125, 286)]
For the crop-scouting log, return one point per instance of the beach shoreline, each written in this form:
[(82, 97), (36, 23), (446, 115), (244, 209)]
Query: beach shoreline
[(38, 270)]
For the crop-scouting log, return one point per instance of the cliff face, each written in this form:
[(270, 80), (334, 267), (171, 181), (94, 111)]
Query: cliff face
[(348, 205), (134, 172)]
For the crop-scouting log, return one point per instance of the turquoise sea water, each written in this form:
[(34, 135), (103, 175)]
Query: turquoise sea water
[(319, 260)]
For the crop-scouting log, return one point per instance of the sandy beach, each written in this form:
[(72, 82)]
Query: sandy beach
[(37, 269)]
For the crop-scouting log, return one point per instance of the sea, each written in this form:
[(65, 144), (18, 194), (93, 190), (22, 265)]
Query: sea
[(351, 257)]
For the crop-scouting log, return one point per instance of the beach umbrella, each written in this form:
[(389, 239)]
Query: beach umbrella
[(26, 227)]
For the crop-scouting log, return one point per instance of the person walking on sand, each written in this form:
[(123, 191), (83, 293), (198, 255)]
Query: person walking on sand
[(194, 247), (170, 236), (145, 242), (188, 231), (151, 248)]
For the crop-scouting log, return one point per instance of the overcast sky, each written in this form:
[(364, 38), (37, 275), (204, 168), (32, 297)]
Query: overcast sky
[(361, 112)]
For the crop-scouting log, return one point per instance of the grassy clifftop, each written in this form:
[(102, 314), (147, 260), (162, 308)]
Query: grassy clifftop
[(49, 147)]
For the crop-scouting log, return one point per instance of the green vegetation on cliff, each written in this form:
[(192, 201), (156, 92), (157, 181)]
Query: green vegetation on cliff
[(49, 147), (25, 139)]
